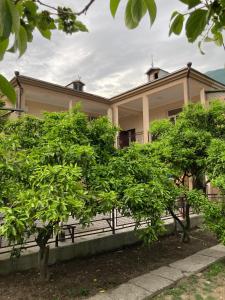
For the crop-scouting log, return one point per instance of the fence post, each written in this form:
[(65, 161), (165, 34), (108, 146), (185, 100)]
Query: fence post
[(73, 234), (113, 221), (57, 241)]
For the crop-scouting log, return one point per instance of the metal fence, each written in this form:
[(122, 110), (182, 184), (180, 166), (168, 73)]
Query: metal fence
[(112, 222)]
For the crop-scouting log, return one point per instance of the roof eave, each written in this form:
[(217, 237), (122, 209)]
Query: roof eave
[(166, 79), (57, 88)]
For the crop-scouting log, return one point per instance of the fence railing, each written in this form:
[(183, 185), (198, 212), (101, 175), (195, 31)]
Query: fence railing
[(112, 222)]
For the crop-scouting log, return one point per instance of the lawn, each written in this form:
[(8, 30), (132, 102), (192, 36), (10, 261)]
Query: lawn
[(208, 285)]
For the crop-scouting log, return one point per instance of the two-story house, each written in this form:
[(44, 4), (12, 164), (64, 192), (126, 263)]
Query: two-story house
[(162, 96)]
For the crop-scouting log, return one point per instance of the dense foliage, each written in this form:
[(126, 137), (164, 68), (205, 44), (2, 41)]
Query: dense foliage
[(64, 165), (214, 210), (141, 185), (3, 118), (45, 166), (190, 152)]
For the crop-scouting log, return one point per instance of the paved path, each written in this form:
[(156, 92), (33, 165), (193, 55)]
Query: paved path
[(151, 284)]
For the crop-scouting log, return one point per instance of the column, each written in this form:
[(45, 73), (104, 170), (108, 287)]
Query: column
[(110, 114), (203, 97), (115, 119), (70, 104), (20, 101), (186, 91), (145, 107)]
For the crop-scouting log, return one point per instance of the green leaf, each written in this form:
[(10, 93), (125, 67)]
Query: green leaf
[(31, 6), (114, 4), (129, 21), (177, 25), (81, 26), (15, 16), (45, 33), (174, 14), (3, 47), (5, 19), (22, 40), (7, 89), (218, 38), (191, 3), (138, 9), (152, 9), (196, 24)]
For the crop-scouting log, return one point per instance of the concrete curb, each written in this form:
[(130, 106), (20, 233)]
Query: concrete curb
[(154, 282)]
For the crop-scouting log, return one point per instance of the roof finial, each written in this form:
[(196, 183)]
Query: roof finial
[(189, 65), (79, 77)]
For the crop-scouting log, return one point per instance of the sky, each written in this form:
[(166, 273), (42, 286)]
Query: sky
[(110, 58)]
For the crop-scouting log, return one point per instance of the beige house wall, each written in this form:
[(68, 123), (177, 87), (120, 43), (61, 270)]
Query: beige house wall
[(37, 100), (136, 121), (37, 108)]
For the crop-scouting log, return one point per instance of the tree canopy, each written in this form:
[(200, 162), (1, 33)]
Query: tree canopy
[(192, 149), (45, 165)]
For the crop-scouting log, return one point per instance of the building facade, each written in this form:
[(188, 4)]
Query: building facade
[(163, 96)]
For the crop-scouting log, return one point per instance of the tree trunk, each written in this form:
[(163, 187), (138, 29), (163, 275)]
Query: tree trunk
[(185, 233), (43, 262), (185, 236), (187, 217)]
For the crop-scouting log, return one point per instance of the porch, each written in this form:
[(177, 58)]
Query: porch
[(134, 115)]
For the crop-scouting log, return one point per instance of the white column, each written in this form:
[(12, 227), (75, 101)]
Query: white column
[(145, 107), (70, 104), (190, 183), (20, 101), (186, 91), (203, 97), (110, 114), (115, 119)]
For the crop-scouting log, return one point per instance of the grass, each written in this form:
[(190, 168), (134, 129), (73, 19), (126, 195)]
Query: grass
[(209, 285)]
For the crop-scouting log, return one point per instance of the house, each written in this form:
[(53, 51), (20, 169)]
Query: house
[(162, 96)]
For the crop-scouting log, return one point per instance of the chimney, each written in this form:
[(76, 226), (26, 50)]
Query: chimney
[(78, 85)]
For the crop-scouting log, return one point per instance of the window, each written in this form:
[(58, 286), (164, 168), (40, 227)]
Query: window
[(156, 75)]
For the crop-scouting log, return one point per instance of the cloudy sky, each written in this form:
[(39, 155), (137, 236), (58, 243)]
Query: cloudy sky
[(110, 58)]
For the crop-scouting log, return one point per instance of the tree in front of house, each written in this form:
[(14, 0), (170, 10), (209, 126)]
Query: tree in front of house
[(183, 148), (214, 209), (2, 118), (141, 185), (49, 162)]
